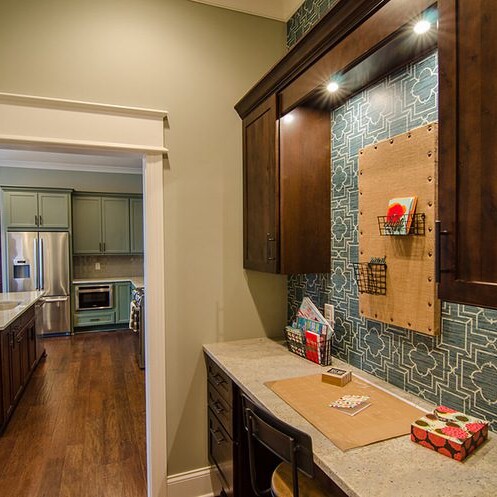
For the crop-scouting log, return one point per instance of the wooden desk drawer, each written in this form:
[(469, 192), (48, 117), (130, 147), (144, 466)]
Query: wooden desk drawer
[(221, 451), (220, 408), (220, 380)]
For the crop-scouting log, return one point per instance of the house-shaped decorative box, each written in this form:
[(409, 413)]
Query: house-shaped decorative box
[(451, 433)]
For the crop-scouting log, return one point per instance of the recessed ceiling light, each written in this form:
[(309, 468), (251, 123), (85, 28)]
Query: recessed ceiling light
[(422, 27), (288, 118), (333, 86)]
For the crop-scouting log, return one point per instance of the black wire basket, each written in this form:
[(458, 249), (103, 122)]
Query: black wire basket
[(389, 227), (318, 352), (371, 277)]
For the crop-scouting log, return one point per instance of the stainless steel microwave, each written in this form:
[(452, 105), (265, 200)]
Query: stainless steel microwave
[(90, 298)]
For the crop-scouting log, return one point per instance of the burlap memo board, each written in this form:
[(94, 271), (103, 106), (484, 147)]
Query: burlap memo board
[(403, 166), (386, 417)]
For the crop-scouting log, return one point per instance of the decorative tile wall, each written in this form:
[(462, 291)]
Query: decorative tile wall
[(458, 368), (305, 17)]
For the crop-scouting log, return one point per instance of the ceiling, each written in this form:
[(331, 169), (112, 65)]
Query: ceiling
[(108, 163), (280, 10)]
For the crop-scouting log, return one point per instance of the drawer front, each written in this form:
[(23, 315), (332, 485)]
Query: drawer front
[(220, 380), (221, 451), (220, 408), (90, 318)]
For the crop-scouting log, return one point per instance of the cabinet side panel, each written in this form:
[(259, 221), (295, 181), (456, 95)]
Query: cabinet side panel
[(260, 190)]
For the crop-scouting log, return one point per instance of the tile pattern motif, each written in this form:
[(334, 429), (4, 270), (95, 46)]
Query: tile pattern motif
[(305, 17), (458, 368)]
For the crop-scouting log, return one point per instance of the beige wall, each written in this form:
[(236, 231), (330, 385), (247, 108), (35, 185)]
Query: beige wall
[(194, 61), (77, 180)]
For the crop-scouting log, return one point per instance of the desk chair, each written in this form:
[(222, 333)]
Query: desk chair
[(294, 476)]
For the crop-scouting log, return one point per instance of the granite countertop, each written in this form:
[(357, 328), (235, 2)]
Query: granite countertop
[(25, 299), (392, 468), (136, 281)]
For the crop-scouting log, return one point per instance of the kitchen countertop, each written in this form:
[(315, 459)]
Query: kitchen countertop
[(392, 468), (25, 299), (136, 281)]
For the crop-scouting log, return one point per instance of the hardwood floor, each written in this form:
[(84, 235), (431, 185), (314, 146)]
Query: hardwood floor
[(79, 430)]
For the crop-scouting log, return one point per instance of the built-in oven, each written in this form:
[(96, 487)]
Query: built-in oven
[(91, 297)]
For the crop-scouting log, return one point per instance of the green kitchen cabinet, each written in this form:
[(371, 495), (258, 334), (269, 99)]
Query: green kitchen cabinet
[(94, 318), (53, 210), (136, 225), (122, 295), (87, 225), (115, 225), (101, 224), (28, 209)]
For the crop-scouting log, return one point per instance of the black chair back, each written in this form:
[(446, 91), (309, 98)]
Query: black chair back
[(287, 442)]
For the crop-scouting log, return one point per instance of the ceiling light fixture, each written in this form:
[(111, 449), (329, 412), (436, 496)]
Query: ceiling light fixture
[(333, 86), (422, 27)]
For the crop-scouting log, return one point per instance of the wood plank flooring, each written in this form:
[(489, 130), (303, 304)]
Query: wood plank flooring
[(79, 430)]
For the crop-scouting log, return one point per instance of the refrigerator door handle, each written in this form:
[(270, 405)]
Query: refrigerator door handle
[(35, 264), (41, 268)]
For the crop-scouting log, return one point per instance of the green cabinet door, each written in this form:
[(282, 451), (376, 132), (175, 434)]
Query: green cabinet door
[(21, 209), (115, 225), (87, 225), (122, 301), (136, 226), (53, 209)]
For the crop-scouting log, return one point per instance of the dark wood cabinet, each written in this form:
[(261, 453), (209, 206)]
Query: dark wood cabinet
[(286, 190), (468, 152), (18, 358), (261, 173), (32, 344), (16, 366), (5, 375)]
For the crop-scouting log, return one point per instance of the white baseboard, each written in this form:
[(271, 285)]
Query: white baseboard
[(200, 482)]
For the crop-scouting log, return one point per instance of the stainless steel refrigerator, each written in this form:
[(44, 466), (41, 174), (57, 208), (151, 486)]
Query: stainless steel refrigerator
[(40, 261)]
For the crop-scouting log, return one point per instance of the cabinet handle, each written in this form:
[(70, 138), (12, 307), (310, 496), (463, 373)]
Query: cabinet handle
[(95, 319), (100, 246), (217, 407), (41, 221), (438, 251), (218, 380), (36, 220), (218, 439), (269, 240)]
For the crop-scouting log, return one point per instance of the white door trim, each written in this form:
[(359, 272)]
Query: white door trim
[(54, 124), (155, 319)]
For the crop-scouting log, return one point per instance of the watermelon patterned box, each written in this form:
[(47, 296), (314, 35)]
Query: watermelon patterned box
[(449, 432)]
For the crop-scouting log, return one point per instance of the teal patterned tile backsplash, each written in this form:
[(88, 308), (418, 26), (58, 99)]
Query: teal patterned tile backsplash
[(457, 368), (305, 17)]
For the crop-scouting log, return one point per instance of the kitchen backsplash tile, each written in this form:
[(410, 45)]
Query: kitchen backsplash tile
[(457, 368), (110, 266)]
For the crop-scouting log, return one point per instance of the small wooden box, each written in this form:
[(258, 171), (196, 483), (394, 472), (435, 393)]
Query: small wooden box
[(336, 376)]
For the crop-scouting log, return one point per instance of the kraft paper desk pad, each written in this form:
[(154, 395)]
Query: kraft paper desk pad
[(386, 417)]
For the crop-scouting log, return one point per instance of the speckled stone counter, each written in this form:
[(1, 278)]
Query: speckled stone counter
[(393, 468), (24, 301)]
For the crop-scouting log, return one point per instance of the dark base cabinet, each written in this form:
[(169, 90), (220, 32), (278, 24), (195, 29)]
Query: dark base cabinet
[(228, 442), (18, 358)]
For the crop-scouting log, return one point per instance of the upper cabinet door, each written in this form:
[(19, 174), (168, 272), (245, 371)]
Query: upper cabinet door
[(87, 225), (115, 225), (468, 152), (136, 225), (53, 209), (261, 177), (21, 209)]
